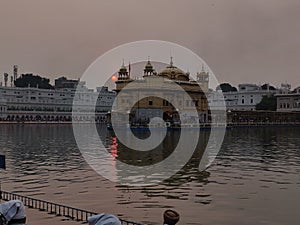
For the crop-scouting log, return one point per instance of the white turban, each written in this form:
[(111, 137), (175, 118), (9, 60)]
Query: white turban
[(13, 209), (104, 219)]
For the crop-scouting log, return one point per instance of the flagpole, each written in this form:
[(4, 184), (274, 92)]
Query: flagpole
[(129, 69)]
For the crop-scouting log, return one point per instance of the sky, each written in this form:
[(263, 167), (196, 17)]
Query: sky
[(253, 41)]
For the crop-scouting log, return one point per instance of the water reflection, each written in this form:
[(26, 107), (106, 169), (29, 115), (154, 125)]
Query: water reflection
[(255, 176)]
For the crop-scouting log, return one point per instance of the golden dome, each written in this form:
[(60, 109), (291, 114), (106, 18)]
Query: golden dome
[(174, 73), (148, 65)]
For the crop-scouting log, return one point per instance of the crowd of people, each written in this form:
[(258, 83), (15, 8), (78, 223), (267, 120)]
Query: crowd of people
[(13, 213)]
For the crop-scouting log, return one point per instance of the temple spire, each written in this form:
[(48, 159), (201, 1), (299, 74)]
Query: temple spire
[(123, 74), (171, 61), (148, 71)]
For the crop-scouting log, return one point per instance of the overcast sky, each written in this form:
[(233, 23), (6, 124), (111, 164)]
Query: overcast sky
[(253, 41)]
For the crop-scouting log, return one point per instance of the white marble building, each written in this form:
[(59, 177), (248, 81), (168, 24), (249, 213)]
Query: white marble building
[(31, 103), (246, 98), (288, 101)]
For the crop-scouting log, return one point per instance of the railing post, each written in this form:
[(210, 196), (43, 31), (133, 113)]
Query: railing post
[(81, 215)]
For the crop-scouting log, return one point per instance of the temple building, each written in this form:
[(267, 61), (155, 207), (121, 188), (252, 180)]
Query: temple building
[(163, 84)]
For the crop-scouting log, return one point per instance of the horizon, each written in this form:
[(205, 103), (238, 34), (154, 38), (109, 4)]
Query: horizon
[(137, 69)]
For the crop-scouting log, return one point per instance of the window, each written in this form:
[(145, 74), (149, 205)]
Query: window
[(150, 102), (251, 100), (243, 101), (165, 103)]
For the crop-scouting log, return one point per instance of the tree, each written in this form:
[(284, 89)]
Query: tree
[(267, 103), (226, 87), (31, 80)]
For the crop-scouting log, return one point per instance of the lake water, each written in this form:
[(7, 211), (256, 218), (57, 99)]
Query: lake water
[(254, 180)]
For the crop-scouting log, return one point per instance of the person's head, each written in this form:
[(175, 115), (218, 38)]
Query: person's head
[(171, 217), (12, 212), (104, 219)]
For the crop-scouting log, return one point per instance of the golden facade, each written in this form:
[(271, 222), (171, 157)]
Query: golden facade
[(154, 88)]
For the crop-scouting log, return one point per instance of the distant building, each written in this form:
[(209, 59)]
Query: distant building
[(288, 101), (35, 104), (246, 98), (3, 107), (64, 83)]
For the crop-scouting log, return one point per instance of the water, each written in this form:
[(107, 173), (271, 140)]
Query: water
[(254, 180)]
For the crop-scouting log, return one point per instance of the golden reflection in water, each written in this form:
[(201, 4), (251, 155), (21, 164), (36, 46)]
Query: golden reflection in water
[(255, 177), (114, 147)]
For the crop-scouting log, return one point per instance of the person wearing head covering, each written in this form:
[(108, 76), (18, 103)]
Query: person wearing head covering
[(104, 219), (12, 213), (171, 217)]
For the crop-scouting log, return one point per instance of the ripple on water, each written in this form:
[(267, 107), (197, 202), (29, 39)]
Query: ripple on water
[(255, 177)]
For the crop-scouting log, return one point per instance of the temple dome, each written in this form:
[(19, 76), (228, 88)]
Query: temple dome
[(149, 70), (174, 73), (148, 65), (123, 69)]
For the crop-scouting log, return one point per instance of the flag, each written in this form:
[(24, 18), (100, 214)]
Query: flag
[(2, 162)]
